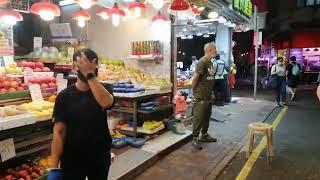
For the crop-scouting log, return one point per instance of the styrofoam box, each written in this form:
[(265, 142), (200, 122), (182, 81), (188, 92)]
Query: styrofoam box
[(16, 121), (112, 122)]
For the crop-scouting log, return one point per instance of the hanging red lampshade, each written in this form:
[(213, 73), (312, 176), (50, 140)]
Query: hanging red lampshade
[(179, 5), (137, 6), (103, 13), (160, 17), (86, 4), (81, 16), (10, 17), (196, 11), (46, 10), (116, 13)]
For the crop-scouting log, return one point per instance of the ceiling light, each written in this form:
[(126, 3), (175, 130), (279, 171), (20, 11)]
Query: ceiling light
[(46, 10), (199, 34), (213, 15), (179, 5), (116, 13), (184, 29), (10, 17), (137, 7), (222, 20), (86, 4), (66, 2), (81, 16), (190, 37), (103, 13), (206, 35)]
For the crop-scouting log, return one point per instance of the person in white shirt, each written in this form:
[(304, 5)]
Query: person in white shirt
[(219, 85), (279, 70)]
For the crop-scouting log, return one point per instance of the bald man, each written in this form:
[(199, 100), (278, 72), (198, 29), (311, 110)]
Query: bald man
[(202, 87)]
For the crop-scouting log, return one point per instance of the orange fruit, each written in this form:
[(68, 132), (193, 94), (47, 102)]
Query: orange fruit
[(52, 98)]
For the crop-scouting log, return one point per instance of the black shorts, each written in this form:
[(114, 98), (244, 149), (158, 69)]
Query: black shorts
[(293, 81)]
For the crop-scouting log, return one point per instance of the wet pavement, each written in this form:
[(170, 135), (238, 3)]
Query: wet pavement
[(296, 146)]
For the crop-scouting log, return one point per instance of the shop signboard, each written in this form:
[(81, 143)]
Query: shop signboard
[(245, 7)]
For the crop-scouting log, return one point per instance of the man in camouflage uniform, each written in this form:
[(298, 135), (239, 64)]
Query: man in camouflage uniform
[(202, 87)]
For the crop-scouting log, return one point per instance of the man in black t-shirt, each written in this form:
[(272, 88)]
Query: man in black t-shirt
[(81, 140)]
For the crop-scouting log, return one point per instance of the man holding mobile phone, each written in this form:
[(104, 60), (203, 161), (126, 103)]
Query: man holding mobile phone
[(81, 140)]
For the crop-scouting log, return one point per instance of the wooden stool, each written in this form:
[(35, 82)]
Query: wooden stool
[(264, 129)]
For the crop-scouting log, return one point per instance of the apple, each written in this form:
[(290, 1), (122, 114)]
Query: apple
[(24, 86), (44, 86), (52, 79), (46, 69), (31, 65), (24, 63), (14, 84), (6, 84), (12, 89), (37, 70), (52, 85), (3, 90), (1, 85), (20, 88), (39, 65)]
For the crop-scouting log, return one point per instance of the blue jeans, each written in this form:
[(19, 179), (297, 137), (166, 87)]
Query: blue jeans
[(281, 89)]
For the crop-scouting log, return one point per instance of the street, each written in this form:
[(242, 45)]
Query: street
[(296, 146)]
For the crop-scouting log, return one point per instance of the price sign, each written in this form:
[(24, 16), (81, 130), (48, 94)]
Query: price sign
[(35, 91), (27, 74), (7, 149), (59, 77), (62, 84), (7, 61), (37, 42)]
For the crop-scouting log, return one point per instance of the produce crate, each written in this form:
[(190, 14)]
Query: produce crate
[(16, 121), (14, 95)]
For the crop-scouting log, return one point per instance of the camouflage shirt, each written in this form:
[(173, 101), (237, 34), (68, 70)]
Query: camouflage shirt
[(204, 88)]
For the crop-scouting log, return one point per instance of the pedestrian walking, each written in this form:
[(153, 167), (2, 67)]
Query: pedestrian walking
[(219, 81), (202, 87), (279, 70), (81, 140), (293, 73)]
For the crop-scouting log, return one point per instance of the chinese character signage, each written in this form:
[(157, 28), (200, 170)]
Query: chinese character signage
[(243, 6)]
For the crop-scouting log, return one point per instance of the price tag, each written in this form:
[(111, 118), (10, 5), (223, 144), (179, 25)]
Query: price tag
[(7, 149), (27, 74), (62, 84), (35, 91), (7, 61), (37, 42), (59, 77)]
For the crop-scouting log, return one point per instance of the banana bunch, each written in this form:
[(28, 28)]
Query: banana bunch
[(152, 125), (116, 134)]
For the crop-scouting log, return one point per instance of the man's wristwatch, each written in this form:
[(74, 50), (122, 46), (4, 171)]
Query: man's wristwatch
[(90, 76)]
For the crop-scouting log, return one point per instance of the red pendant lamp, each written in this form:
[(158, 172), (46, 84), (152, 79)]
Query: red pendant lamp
[(46, 10), (81, 16), (10, 17), (179, 5), (86, 4), (116, 13), (196, 11), (103, 13), (160, 17), (137, 7)]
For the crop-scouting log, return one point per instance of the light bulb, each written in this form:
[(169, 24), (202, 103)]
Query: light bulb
[(116, 19), (9, 20), (199, 34), (104, 16), (213, 15), (137, 12), (81, 22), (46, 15), (85, 4), (157, 4), (190, 37)]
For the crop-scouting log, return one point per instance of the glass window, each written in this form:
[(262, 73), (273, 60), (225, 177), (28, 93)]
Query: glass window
[(318, 2), (310, 2)]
